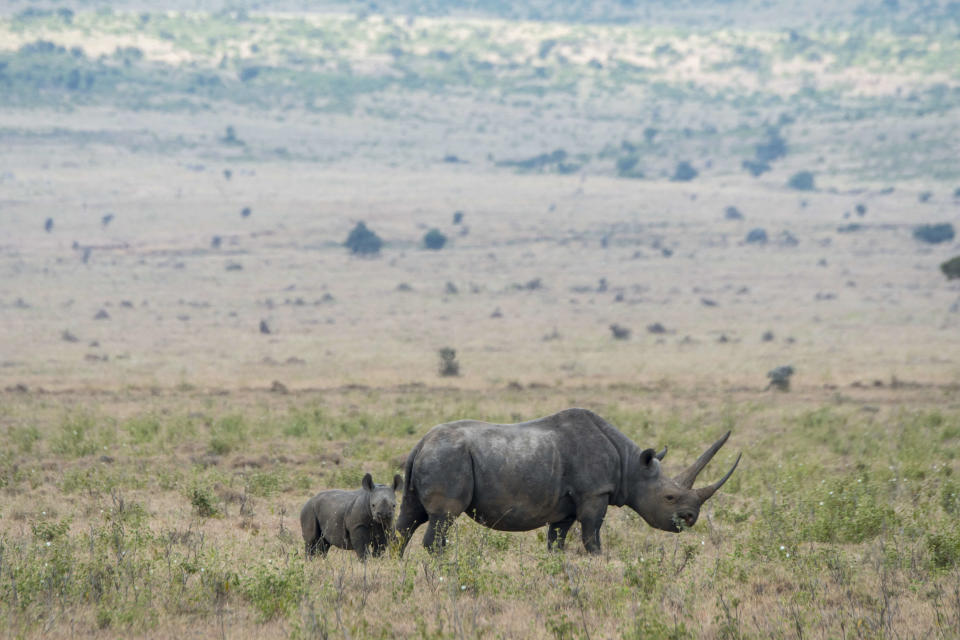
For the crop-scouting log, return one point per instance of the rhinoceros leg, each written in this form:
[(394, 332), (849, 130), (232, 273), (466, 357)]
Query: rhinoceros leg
[(412, 515), (435, 538), (557, 533), (590, 513), (360, 540), (312, 535)]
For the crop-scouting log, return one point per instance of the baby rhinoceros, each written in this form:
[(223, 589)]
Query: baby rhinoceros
[(360, 520)]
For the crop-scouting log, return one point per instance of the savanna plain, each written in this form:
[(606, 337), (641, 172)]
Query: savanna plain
[(644, 209)]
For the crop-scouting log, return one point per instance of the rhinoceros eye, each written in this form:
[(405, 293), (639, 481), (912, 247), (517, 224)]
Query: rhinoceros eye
[(670, 498)]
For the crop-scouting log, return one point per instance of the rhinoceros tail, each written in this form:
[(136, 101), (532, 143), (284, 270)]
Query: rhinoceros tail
[(412, 511)]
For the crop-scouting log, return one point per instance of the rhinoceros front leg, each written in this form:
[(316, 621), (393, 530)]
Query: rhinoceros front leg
[(360, 540), (590, 513), (557, 533)]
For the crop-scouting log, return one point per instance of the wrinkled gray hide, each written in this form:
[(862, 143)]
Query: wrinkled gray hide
[(553, 471), (360, 520)]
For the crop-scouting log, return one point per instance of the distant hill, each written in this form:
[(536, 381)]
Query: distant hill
[(897, 15)]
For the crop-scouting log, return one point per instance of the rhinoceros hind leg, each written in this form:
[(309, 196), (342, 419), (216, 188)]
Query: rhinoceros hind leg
[(435, 539), (412, 515)]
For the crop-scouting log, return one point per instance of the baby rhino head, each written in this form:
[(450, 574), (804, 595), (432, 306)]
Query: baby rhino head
[(383, 500)]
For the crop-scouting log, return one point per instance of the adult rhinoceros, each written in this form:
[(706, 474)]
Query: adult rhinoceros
[(552, 471)]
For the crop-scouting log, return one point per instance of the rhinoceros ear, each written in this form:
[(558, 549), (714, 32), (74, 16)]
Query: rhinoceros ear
[(367, 482), (397, 483)]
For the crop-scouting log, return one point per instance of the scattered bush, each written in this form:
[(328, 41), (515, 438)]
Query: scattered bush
[(934, 233), (275, 591), (363, 241), (539, 162), (732, 213), (772, 148), (620, 332), (435, 240), (684, 172), (801, 181), (944, 548), (457, 217), (203, 501), (230, 137), (757, 236), (780, 378), (951, 268), (850, 511), (755, 167), (627, 166), (449, 366)]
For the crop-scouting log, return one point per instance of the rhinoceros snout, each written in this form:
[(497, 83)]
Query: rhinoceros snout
[(687, 518)]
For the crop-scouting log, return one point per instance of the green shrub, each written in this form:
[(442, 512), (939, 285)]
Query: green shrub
[(264, 484), (951, 268), (24, 438), (684, 172), (934, 233), (849, 511), (227, 433), (203, 500), (78, 437), (274, 591), (142, 429), (802, 181), (435, 240), (363, 241), (944, 548)]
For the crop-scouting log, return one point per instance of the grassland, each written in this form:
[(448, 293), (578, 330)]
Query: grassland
[(176, 513), (171, 182)]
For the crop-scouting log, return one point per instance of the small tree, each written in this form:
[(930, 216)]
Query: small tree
[(448, 362), (772, 148), (934, 233), (363, 241), (684, 172), (435, 240), (801, 181), (951, 268)]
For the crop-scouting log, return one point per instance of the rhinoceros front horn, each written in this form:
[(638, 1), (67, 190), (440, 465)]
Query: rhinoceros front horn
[(704, 493), (687, 478)]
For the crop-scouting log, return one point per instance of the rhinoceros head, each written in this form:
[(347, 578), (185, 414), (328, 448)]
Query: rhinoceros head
[(383, 500), (673, 504)]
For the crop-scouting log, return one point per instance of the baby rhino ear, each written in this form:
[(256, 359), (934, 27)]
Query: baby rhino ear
[(368, 482), (397, 483)]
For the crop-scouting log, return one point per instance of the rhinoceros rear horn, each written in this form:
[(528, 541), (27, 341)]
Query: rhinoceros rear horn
[(704, 493), (687, 478)]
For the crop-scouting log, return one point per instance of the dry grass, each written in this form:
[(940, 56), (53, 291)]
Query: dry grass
[(762, 561)]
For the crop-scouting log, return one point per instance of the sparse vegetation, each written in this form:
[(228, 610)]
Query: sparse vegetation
[(951, 268), (684, 172), (230, 557), (802, 181), (449, 366), (934, 233), (363, 241), (434, 239)]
